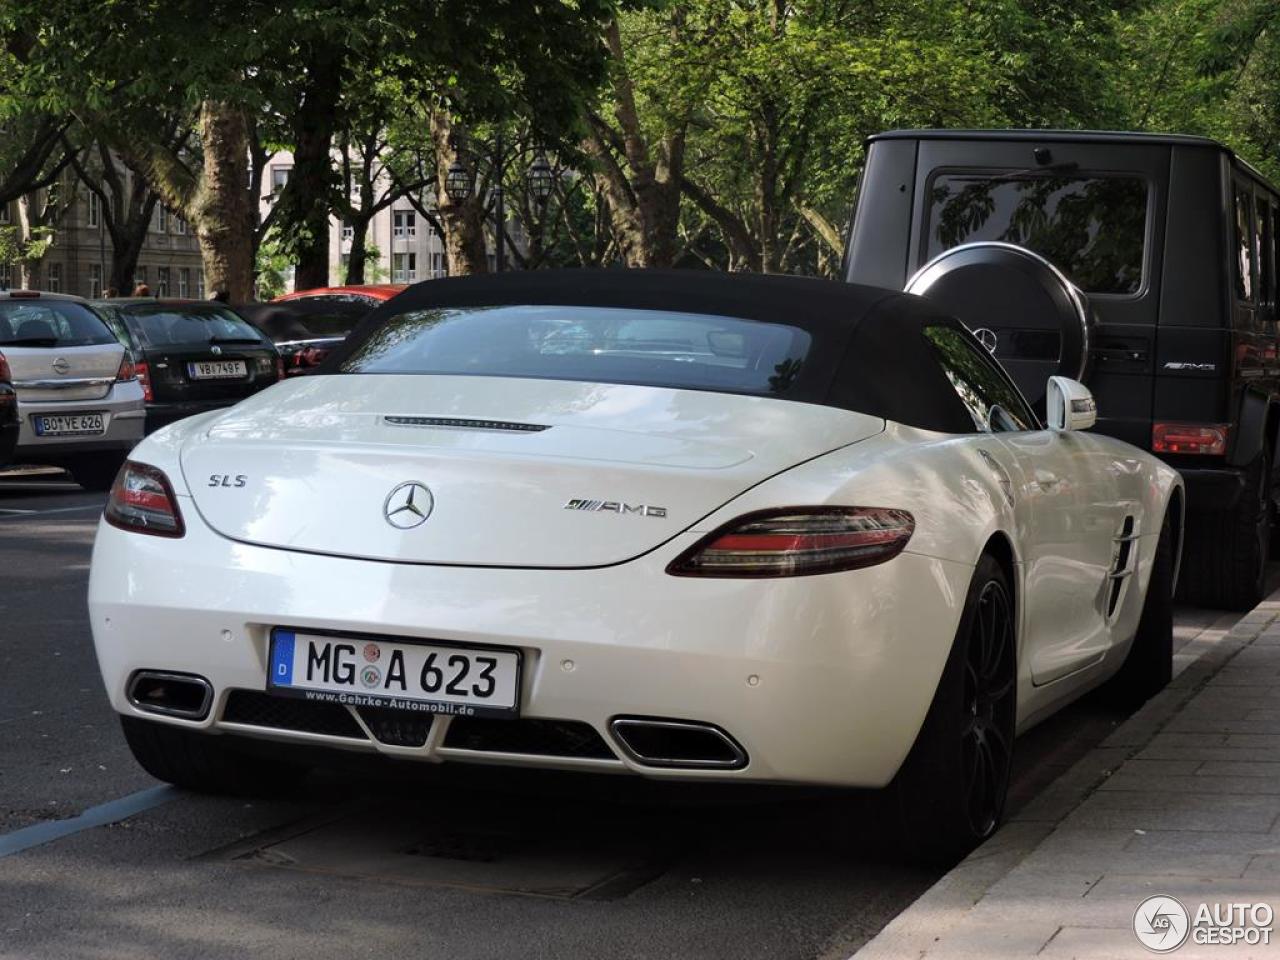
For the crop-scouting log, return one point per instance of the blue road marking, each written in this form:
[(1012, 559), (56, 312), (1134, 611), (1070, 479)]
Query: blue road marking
[(99, 816)]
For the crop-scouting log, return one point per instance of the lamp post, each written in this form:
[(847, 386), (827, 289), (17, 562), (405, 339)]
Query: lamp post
[(459, 182), (541, 178)]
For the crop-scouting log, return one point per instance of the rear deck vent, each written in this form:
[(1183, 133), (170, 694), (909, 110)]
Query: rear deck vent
[(256, 709), (459, 423)]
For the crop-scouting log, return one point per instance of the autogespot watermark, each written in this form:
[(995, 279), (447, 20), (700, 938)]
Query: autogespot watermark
[(1162, 924)]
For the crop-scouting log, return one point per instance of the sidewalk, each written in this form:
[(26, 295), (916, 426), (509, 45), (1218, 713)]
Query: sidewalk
[(1183, 800)]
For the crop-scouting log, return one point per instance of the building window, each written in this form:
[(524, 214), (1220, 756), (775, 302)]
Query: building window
[(139, 276), (200, 284), (404, 267), (6, 276), (405, 223), (437, 263), (53, 278), (279, 177), (162, 220), (5, 214), (348, 231), (179, 225), (95, 210), (95, 280), (184, 282), (162, 282)]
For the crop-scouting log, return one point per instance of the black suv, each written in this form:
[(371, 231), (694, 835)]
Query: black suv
[(1172, 242)]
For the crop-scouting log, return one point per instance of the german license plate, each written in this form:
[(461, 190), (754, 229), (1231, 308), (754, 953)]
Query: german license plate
[(423, 677), (217, 369), (70, 425)]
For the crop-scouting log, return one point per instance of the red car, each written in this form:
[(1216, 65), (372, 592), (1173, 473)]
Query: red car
[(308, 324)]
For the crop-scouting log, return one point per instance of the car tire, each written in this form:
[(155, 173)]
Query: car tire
[(206, 763), (96, 473), (950, 792), (1148, 666), (1225, 561)]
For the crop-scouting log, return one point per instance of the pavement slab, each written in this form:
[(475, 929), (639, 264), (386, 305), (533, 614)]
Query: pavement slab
[(1182, 800)]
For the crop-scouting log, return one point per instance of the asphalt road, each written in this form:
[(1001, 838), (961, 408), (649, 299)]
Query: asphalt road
[(458, 863)]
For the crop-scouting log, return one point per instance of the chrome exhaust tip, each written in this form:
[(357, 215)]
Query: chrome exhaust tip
[(184, 695), (686, 744)]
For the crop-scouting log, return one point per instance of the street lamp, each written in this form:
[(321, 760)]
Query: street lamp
[(457, 182), (541, 178)]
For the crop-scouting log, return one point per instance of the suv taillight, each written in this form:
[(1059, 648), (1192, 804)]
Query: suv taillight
[(797, 542), (143, 373), (128, 371), (142, 501), (1206, 438), (6, 376)]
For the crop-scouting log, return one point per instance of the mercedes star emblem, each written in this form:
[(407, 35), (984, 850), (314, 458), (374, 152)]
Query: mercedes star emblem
[(987, 338), (408, 505), (60, 366)]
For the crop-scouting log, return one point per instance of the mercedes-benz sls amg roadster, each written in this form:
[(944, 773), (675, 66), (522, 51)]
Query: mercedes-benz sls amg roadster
[(674, 525)]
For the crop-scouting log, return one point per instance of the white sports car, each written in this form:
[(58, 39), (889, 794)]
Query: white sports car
[(670, 524)]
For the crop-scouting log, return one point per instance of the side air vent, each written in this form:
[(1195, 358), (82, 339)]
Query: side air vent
[(1121, 565), (459, 423)]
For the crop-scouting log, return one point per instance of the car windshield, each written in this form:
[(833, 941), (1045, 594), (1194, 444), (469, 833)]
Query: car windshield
[(592, 344), (50, 323), (1091, 228), (168, 325)]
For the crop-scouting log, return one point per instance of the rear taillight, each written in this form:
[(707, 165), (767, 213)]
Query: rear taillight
[(142, 501), (128, 370), (1207, 438), (6, 376), (143, 373), (797, 542)]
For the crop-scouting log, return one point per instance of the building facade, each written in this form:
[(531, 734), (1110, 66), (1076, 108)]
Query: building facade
[(78, 260), (408, 248)]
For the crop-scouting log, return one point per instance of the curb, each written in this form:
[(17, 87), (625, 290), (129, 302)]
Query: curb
[(916, 930)]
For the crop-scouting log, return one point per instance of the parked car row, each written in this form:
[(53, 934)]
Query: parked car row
[(82, 381)]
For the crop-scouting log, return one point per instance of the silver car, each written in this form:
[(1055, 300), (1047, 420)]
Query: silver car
[(79, 399)]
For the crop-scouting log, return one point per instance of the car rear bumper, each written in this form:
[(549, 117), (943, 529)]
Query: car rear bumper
[(122, 407), (821, 680)]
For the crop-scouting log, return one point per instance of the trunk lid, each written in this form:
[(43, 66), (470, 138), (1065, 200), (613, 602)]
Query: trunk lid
[(175, 372), (314, 465), (50, 374)]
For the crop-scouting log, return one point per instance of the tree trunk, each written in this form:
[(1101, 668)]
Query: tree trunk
[(463, 224), (359, 249), (306, 205), (124, 263), (221, 212), (642, 187)]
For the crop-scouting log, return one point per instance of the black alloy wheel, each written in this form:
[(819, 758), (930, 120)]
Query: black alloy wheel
[(987, 740), (950, 791)]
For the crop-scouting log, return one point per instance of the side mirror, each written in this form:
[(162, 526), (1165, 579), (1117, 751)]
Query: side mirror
[(1070, 405)]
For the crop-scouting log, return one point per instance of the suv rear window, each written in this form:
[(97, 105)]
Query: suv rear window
[(166, 326), (592, 344), (1091, 228), (50, 323)]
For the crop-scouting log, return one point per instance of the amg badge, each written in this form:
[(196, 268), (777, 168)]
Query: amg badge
[(615, 506)]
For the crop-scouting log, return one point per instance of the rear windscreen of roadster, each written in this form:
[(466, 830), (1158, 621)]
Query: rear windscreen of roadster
[(594, 344), (1093, 229)]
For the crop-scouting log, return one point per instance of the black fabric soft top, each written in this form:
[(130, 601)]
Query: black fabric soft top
[(868, 354)]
